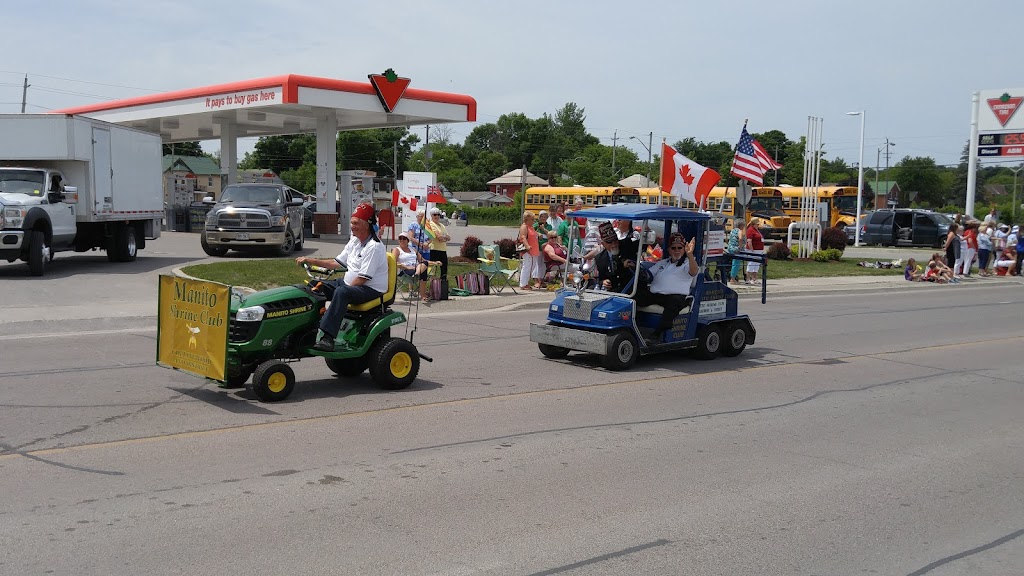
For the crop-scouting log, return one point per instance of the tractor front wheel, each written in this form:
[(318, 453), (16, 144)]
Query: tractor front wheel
[(273, 381)]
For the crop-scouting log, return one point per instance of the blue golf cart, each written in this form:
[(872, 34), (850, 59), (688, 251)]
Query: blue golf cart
[(584, 318)]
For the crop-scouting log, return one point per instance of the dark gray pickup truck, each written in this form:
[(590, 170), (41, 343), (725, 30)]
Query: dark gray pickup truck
[(254, 216)]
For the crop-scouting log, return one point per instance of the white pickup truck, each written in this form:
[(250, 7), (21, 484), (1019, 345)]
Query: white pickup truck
[(74, 183)]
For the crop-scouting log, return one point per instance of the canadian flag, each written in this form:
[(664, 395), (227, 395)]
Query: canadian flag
[(406, 201), (681, 176)]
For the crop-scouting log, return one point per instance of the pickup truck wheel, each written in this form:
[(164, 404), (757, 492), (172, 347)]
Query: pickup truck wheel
[(623, 352), (38, 253), (273, 381), (397, 362), (709, 342), (289, 244), (348, 367), (211, 250), (735, 340)]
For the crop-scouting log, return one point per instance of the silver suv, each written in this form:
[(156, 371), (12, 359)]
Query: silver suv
[(254, 216)]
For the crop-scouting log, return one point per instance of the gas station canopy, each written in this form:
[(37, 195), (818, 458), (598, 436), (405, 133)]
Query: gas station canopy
[(288, 104)]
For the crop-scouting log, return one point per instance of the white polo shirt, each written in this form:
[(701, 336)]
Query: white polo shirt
[(671, 279), (365, 260)]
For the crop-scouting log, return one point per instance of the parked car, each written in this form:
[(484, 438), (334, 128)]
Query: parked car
[(851, 230), (254, 216), (905, 227)]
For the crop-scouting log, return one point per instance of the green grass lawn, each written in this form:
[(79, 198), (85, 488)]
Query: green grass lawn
[(261, 274)]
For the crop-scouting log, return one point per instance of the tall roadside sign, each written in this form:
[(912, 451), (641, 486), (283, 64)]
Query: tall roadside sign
[(997, 131)]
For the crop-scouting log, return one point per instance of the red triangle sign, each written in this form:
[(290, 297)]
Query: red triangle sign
[(1004, 107), (389, 87)]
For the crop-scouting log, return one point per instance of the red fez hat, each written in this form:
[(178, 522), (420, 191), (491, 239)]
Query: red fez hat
[(364, 212)]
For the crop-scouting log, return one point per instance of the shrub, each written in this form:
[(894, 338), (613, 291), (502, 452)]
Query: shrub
[(778, 251), (507, 246), (826, 255), (833, 238), (469, 247)]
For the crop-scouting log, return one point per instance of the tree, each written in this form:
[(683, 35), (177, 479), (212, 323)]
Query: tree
[(922, 176), (184, 149), (569, 121)]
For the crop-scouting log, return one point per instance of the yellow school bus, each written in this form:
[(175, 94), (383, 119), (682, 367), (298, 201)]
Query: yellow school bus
[(765, 204), (841, 200), (542, 197)]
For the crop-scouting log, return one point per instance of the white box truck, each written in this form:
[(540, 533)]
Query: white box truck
[(74, 183)]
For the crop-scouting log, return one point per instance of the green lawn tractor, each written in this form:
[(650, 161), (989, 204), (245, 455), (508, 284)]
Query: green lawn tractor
[(270, 329)]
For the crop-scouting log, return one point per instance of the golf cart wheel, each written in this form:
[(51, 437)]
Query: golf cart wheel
[(396, 363), (273, 381), (348, 367), (237, 379), (623, 352), (555, 352), (735, 339), (709, 342)]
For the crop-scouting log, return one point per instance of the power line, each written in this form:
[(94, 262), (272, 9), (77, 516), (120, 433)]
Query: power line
[(82, 81)]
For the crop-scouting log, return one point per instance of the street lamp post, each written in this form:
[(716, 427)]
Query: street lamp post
[(860, 177), (648, 148)]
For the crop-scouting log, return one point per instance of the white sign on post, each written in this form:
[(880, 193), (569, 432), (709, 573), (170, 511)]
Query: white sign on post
[(416, 184)]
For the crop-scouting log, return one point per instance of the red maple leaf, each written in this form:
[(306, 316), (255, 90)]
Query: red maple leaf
[(684, 172)]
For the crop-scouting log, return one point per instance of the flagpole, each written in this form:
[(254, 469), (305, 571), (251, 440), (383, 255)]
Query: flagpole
[(661, 169)]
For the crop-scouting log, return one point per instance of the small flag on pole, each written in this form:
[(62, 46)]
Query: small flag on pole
[(751, 160)]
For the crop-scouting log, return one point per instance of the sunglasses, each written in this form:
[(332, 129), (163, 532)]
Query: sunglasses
[(676, 247)]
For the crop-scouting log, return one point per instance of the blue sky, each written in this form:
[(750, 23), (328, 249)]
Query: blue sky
[(677, 68)]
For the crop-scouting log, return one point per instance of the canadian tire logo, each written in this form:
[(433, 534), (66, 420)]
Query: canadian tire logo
[(389, 87), (1004, 107)]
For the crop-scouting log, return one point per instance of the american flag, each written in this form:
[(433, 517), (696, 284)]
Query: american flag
[(751, 160)]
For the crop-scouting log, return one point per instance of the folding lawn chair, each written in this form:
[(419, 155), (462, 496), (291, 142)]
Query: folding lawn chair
[(493, 266)]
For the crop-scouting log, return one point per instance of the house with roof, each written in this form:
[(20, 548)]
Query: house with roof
[(510, 183), (887, 193), (482, 199), (637, 181), (189, 179)]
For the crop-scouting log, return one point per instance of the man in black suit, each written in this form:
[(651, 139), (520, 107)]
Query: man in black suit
[(616, 264)]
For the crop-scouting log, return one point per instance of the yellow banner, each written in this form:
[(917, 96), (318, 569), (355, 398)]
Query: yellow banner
[(192, 331)]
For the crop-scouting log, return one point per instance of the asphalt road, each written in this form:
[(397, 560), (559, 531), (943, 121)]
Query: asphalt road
[(872, 433)]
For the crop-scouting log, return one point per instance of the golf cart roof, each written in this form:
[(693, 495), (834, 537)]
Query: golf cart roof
[(639, 212)]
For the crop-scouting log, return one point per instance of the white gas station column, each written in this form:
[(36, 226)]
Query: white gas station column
[(228, 152), (326, 174)]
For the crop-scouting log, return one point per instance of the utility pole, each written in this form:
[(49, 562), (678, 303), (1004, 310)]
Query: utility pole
[(522, 192), (426, 151), (887, 154), (396, 163), (615, 137), (24, 94)]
